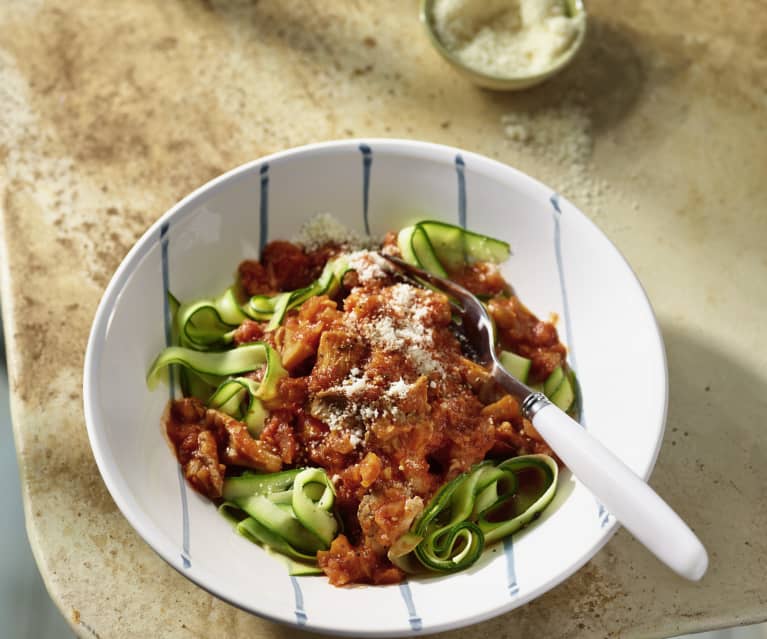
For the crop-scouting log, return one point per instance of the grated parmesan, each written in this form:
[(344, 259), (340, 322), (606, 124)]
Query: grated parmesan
[(367, 265), (398, 326), (323, 228), (402, 328), (506, 37), (399, 389), (355, 438), (561, 140)]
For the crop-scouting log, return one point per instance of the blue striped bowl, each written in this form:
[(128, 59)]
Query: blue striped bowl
[(561, 264)]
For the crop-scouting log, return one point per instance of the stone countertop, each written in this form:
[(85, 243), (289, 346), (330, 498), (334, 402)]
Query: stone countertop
[(114, 111)]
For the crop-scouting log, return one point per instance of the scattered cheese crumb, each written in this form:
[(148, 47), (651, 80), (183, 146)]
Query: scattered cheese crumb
[(402, 327), (323, 229), (355, 438), (398, 327), (367, 265), (561, 138), (398, 389)]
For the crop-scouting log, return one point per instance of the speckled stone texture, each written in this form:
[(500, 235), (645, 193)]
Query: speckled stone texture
[(112, 111)]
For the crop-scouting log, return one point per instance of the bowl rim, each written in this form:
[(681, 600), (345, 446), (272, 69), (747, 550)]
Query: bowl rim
[(102, 318), (505, 82)]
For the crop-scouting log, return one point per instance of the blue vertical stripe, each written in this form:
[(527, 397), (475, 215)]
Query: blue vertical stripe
[(511, 571), (407, 596), (186, 558), (166, 313), (168, 322), (300, 613), (367, 162), (263, 209), (460, 167), (263, 226), (602, 514), (560, 269)]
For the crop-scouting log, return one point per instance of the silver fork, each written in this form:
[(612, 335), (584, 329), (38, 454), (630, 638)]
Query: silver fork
[(629, 499)]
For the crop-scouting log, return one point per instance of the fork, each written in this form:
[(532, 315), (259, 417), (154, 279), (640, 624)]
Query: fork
[(625, 495)]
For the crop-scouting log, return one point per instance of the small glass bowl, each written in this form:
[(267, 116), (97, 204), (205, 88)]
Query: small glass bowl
[(510, 82)]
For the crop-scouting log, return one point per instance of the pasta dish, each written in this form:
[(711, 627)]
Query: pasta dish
[(334, 414)]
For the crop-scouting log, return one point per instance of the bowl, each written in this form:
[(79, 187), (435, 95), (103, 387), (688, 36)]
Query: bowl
[(513, 82), (561, 264)]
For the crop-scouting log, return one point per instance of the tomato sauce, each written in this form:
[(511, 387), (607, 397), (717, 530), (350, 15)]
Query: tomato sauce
[(379, 394)]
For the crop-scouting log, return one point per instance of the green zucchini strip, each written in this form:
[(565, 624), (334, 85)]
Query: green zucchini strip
[(289, 512), (476, 508), (207, 323), (173, 304), (452, 548), (196, 385), (298, 563), (314, 508), (250, 483), (241, 397), (229, 395), (517, 365), (536, 479), (562, 389), (402, 554), (440, 248), (281, 522), (493, 483), (238, 360), (553, 381), (416, 248), (238, 397), (456, 246), (299, 568), (450, 541), (253, 530), (274, 307), (232, 512), (274, 372)]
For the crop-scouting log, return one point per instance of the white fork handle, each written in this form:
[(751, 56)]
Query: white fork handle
[(633, 503)]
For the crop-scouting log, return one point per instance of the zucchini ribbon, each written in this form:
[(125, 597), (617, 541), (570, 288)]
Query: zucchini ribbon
[(274, 307), (211, 367), (478, 507), (438, 247), (240, 397), (290, 513)]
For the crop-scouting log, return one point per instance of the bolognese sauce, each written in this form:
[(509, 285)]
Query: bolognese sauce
[(378, 392)]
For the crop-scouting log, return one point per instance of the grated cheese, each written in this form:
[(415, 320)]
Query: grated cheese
[(353, 384), (398, 327), (355, 438), (560, 139), (403, 295), (402, 328), (506, 37), (399, 389), (323, 228), (367, 265)]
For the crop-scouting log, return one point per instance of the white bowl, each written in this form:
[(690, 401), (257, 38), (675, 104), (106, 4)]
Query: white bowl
[(561, 264)]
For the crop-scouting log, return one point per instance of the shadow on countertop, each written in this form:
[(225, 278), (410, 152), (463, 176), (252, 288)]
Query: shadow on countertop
[(26, 610)]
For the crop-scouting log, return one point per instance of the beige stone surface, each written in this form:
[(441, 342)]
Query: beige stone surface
[(112, 111)]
